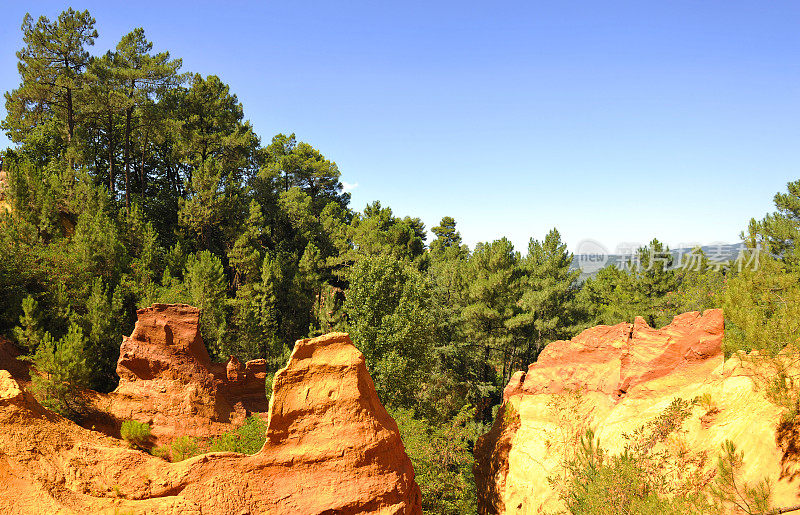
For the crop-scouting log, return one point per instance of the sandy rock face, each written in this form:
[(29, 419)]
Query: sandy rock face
[(8, 361), (331, 448), (10, 391), (627, 375), (167, 379)]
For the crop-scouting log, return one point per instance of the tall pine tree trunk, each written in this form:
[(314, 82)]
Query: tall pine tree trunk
[(141, 164), (70, 117), (126, 156), (111, 171), (70, 126)]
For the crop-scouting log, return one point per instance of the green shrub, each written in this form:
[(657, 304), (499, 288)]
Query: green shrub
[(161, 452), (442, 460), (62, 373), (29, 333), (137, 434), (247, 439), (510, 415), (640, 480), (184, 448), (729, 489), (706, 401)]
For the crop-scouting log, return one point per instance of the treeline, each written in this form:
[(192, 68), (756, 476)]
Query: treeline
[(131, 182)]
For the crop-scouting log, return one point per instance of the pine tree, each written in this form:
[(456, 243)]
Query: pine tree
[(141, 75), (549, 288), (96, 245), (29, 333), (492, 279), (654, 279), (202, 209), (246, 254), (51, 65), (271, 286), (446, 236), (207, 287), (213, 128), (61, 372), (779, 232), (105, 335), (310, 270), (389, 318), (104, 100)]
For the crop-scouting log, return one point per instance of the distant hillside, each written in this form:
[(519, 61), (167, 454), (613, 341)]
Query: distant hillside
[(719, 253)]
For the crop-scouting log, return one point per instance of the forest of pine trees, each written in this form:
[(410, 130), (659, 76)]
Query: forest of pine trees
[(132, 181)]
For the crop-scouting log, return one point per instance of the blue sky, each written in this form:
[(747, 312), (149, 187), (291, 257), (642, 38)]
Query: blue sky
[(615, 121)]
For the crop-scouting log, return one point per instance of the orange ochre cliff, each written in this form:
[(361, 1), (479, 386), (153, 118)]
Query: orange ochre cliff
[(167, 379), (615, 379), (331, 447)]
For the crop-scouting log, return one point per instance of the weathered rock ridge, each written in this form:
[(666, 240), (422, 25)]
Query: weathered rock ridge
[(627, 375), (167, 378), (331, 447)]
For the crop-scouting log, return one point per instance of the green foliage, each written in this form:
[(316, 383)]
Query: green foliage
[(137, 434), (202, 211), (248, 250), (729, 489), (184, 448), (51, 66), (698, 290), (779, 232), (161, 452), (492, 288), (510, 415), (641, 288), (761, 301), (104, 335), (389, 319), (548, 300), (762, 308), (442, 460), (29, 333), (247, 439), (447, 238), (706, 401), (642, 479), (206, 284), (132, 184), (301, 166), (377, 231), (61, 372)]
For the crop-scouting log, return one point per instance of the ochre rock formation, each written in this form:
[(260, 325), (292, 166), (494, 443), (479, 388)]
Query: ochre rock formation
[(625, 376), (167, 379), (8, 361), (331, 448)]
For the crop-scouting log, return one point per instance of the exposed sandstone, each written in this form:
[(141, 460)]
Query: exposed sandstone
[(628, 374), (168, 379), (8, 361), (331, 448)]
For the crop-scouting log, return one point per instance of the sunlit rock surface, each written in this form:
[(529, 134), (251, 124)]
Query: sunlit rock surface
[(629, 374), (167, 379), (331, 447)]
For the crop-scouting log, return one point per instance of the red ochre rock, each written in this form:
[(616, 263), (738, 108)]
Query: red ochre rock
[(331, 447), (168, 379)]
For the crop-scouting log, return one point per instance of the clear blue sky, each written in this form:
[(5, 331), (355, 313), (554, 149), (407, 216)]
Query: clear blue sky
[(616, 121)]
